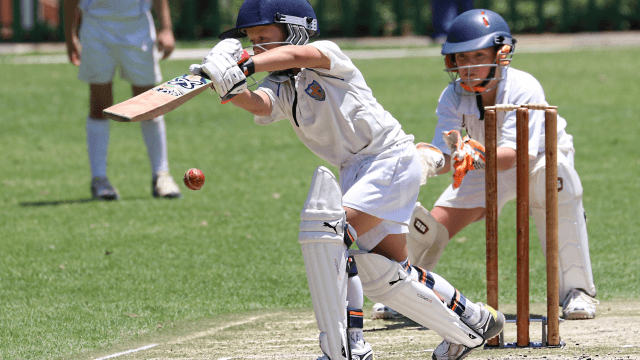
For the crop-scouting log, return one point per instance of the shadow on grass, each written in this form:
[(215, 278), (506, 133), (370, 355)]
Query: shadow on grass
[(57, 202), (64, 202)]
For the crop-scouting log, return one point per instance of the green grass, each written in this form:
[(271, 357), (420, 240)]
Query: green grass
[(76, 275)]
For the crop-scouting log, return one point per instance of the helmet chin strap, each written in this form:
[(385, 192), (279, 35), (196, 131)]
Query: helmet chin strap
[(478, 90)]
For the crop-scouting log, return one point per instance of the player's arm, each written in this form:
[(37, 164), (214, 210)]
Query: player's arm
[(70, 33), (256, 102), (468, 154), (505, 158), (166, 40), (229, 79), (447, 165), (291, 57), (280, 58)]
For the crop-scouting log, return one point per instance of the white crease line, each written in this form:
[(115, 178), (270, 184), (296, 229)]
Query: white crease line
[(298, 356), (215, 330), (128, 352)]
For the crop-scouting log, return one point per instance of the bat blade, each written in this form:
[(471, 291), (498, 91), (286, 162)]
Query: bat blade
[(159, 100)]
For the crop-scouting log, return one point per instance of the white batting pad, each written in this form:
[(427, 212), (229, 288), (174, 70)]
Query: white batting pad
[(426, 240), (574, 268), (325, 258), (385, 281)]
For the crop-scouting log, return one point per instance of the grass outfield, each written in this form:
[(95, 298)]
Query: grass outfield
[(78, 275)]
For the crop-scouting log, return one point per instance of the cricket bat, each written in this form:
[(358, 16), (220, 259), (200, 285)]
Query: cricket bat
[(162, 98)]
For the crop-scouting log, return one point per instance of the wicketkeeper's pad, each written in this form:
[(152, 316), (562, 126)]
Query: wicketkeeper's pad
[(325, 257), (573, 241)]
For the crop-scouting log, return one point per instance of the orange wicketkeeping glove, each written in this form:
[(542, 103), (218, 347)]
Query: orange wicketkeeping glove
[(466, 154)]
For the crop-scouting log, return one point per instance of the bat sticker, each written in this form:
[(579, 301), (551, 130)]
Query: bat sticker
[(168, 91), (182, 85)]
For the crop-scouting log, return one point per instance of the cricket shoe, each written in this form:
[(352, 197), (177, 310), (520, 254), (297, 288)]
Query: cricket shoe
[(363, 352), (450, 351), (359, 351), (102, 189), (491, 324), (380, 311), (579, 306), (163, 186)]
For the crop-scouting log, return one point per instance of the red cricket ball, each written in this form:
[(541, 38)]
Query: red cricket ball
[(194, 179)]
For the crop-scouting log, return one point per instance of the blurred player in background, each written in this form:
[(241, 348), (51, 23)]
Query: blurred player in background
[(120, 34), (443, 13), (332, 110), (478, 53)]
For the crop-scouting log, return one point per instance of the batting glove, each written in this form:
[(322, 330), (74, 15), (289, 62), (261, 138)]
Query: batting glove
[(466, 154), (221, 66), (231, 47), (431, 159)]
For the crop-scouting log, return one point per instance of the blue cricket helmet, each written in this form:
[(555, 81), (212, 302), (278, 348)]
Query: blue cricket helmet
[(297, 15), (477, 29)]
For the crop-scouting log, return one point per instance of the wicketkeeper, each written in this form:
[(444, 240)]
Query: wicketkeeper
[(332, 110), (478, 53)]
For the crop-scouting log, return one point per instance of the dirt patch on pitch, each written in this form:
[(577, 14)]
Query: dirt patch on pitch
[(614, 334)]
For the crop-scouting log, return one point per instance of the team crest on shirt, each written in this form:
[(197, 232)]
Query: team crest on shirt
[(315, 91)]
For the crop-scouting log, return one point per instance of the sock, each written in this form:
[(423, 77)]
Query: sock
[(355, 296), (355, 328), (467, 310), (155, 137), (355, 301), (97, 145), (405, 265)]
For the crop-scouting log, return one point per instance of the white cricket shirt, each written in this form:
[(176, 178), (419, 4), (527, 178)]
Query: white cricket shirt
[(457, 112), (336, 115)]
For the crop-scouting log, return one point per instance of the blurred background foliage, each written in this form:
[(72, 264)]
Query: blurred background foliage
[(202, 19), (359, 18)]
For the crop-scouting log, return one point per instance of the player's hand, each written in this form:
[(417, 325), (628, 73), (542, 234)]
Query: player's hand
[(221, 66), (431, 159), (73, 51), (230, 47), (166, 42), (225, 74), (73, 43), (466, 154)]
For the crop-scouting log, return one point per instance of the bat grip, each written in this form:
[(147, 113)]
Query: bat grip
[(248, 69)]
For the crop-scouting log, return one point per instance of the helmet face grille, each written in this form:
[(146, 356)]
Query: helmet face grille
[(462, 87), (297, 35)]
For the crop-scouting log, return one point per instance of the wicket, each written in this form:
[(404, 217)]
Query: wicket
[(552, 338)]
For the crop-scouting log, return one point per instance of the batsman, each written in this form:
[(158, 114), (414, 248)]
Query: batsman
[(329, 106), (478, 53)]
